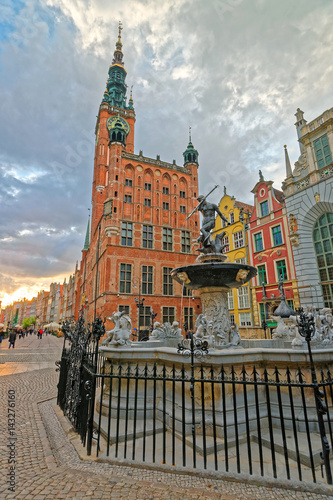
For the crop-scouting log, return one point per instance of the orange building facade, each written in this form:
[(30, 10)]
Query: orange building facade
[(139, 231)]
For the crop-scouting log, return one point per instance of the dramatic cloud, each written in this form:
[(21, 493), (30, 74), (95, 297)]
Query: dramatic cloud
[(233, 70)]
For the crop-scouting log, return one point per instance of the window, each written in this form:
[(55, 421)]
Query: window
[(263, 314), (126, 234), (290, 303), (262, 275), (165, 190), (230, 300), (167, 281), (187, 292), (128, 198), (165, 206), (181, 194), (126, 309), (264, 208), (125, 278), (147, 280), (323, 243), (225, 243), (188, 318), (258, 243), (147, 236), (243, 297), (242, 260), (147, 186), (232, 218), (168, 314), (147, 202), (232, 319), (167, 239), (281, 270), (182, 209), (245, 319), (186, 241), (128, 182), (116, 194), (323, 152), (238, 239), (277, 236), (144, 316)]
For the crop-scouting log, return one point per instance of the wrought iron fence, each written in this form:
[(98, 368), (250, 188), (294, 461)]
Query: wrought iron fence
[(255, 421)]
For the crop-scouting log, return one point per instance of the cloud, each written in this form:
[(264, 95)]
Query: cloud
[(234, 71)]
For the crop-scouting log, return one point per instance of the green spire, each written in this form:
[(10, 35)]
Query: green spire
[(115, 93), (130, 102), (86, 241), (190, 154)]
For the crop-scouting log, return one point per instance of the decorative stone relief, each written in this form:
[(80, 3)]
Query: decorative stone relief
[(166, 330), (122, 331), (216, 319)]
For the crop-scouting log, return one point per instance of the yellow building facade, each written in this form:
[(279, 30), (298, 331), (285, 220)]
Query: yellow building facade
[(236, 248)]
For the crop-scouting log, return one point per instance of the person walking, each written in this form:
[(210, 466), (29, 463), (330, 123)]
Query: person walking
[(12, 339), (1, 336)]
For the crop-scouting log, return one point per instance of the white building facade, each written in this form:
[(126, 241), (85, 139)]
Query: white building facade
[(308, 193)]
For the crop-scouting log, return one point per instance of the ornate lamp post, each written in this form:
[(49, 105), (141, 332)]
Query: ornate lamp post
[(307, 329)]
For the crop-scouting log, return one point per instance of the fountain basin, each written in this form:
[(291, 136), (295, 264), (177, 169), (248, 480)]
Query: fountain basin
[(214, 274)]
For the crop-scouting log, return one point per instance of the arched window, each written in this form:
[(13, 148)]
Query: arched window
[(323, 243)]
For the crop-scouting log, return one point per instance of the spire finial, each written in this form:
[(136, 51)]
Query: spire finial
[(225, 190), (119, 34), (288, 166), (261, 177), (189, 134)]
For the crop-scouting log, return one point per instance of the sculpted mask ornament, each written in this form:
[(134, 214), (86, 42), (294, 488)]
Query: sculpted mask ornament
[(184, 277), (242, 274)]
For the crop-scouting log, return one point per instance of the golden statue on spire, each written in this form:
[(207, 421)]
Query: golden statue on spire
[(120, 28)]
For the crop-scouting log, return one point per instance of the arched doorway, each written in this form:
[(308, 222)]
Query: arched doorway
[(323, 243)]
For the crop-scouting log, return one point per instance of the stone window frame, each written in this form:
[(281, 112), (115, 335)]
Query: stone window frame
[(189, 317), (259, 233), (260, 274), (167, 281), (127, 234), (274, 244), (167, 239), (147, 280), (279, 267), (147, 236), (168, 314), (238, 238), (243, 323), (243, 298), (185, 238), (125, 271), (266, 205)]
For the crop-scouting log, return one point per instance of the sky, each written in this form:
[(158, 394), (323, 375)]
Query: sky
[(233, 70)]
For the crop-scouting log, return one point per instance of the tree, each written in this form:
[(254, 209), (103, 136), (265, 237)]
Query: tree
[(26, 322)]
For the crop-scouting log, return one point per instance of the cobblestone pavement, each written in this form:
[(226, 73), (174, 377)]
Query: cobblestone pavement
[(47, 465)]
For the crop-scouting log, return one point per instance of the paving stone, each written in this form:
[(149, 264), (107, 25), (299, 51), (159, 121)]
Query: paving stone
[(48, 466)]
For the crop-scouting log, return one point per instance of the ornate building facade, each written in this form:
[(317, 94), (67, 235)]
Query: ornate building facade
[(139, 231), (270, 251), (236, 249), (308, 193)]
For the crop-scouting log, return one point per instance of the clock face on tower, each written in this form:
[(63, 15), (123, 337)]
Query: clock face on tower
[(112, 120)]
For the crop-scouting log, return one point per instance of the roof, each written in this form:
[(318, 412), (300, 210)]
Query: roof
[(246, 206), (278, 195)]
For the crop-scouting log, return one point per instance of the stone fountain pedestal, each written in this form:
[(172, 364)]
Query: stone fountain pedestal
[(213, 277)]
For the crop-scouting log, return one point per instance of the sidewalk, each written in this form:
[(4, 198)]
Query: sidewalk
[(47, 465)]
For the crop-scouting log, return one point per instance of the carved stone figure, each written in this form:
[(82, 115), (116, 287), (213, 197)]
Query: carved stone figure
[(166, 330), (292, 223), (203, 330), (120, 335)]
